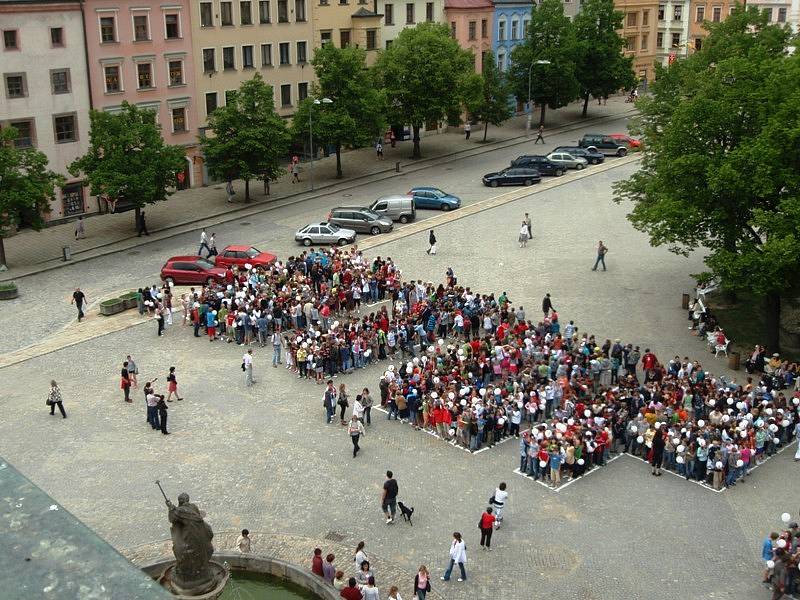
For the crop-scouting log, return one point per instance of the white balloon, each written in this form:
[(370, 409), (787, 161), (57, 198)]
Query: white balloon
[(776, 441), (701, 423), (581, 461), (542, 463), (633, 428), (719, 464), (740, 463), (743, 435), (676, 441), (452, 432), (587, 413), (570, 421), (681, 448), (679, 460), (770, 564), (640, 439), (548, 434), (786, 517), (451, 395), (730, 401)]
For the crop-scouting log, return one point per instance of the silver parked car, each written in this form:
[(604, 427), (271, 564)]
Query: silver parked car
[(324, 233), (568, 160), (360, 220)]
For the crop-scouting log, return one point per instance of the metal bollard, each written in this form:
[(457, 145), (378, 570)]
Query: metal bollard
[(397, 167), (66, 253)]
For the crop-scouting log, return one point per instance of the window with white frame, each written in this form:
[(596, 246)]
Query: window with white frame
[(247, 57), (144, 75), (172, 26), (501, 30), (209, 60), (501, 61), (108, 29), (514, 27), (266, 55), (228, 59), (286, 94), (175, 67), (302, 91), (284, 53), (302, 54), (141, 28), (178, 116), (264, 15), (246, 12), (112, 78), (206, 14)]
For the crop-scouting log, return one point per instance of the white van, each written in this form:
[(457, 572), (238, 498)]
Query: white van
[(397, 208)]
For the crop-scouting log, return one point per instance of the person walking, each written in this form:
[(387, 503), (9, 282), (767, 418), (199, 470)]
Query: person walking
[(355, 429), (230, 191), (539, 135), (389, 497), (160, 320), (162, 414), (379, 150), (203, 243), (422, 583), (125, 382), (212, 245), (79, 299), (243, 543), (527, 221), (329, 401), (523, 235), (295, 169), (277, 346), (658, 451), (80, 231), (499, 503), (141, 226), (458, 555), (133, 372), (152, 408), (547, 305), (54, 399), (467, 130), (172, 385), (247, 367), (486, 525), (432, 243), (343, 403), (602, 250)]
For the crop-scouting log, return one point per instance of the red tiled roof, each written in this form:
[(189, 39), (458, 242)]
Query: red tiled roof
[(467, 4)]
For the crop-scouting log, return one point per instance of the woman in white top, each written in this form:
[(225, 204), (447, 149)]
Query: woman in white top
[(358, 409), (458, 554), (360, 556)]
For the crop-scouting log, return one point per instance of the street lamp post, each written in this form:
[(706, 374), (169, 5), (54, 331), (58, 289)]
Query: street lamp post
[(311, 133), (530, 106)]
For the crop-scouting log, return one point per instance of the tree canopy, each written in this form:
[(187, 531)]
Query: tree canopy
[(26, 186), (426, 76), (550, 38), (127, 158), (490, 102), (250, 139), (721, 169), (355, 116), (602, 69)]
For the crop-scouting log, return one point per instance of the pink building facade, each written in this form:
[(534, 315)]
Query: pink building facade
[(141, 52), (471, 25)]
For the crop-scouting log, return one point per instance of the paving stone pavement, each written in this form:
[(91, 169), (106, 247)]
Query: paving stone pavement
[(262, 458)]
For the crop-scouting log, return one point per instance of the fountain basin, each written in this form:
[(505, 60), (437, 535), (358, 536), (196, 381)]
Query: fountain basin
[(218, 582)]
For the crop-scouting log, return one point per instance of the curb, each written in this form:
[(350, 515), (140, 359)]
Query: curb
[(295, 198)]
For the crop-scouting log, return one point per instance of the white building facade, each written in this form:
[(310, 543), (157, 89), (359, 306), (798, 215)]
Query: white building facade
[(397, 15), (45, 93)]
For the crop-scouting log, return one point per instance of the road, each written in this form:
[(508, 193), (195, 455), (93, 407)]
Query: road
[(272, 230)]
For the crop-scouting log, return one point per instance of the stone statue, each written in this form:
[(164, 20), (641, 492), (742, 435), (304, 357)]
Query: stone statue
[(191, 544)]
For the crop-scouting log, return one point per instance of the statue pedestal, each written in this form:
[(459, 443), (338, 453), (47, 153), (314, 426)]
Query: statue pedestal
[(207, 592)]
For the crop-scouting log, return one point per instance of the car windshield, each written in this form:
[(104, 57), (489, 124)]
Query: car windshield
[(333, 227), (438, 193), (201, 262), (252, 252)]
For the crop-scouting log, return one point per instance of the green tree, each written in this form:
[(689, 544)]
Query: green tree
[(127, 159), (720, 169), (355, 116), (26, 187), (491, 102), (250, 139), (426, 76), (602, 68), (550, 39)]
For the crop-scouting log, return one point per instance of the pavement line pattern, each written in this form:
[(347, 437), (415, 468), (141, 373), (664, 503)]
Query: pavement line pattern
[(489, 203), (568, 483)]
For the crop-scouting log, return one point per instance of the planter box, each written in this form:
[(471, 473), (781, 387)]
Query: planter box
[(112, 307), (8, 293), (129, 300)]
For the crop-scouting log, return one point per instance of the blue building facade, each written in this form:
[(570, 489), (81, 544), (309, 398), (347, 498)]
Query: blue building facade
[(511, 19)]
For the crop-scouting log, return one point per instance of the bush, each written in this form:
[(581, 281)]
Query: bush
[(8, 286), (111, 302)]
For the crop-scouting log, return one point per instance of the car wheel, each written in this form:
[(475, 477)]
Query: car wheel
[(622, 152), (403, 219), (445, 207), (580, 166), (342, 242), (307, 242), (528, 182), (375, 230), (169, 281), (493, 183), (559, 172)]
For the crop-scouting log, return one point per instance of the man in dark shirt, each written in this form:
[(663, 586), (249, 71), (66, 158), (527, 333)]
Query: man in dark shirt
[(78, 299), (389, 498)]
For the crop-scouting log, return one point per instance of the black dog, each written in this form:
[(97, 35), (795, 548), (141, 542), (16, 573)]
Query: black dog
[(407, 512)]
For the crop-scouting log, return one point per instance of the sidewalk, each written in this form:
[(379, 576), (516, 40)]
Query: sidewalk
[(31, 252)]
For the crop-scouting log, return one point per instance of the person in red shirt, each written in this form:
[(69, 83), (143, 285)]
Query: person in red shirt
[(351, 591), (316, 563), (487, 527), (648, 360)]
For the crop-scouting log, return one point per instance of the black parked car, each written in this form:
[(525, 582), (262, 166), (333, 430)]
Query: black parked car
[(591, 155), (544, 165), (512, 176)]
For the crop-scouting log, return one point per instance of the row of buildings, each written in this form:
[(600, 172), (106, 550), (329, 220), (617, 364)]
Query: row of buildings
[(182, 58)]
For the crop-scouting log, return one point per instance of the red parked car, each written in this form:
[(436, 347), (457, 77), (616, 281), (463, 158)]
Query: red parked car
[(191, 270), (241, 255), (626, 139)]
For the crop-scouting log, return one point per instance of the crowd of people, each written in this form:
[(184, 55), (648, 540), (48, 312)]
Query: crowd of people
[(780, 552)]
